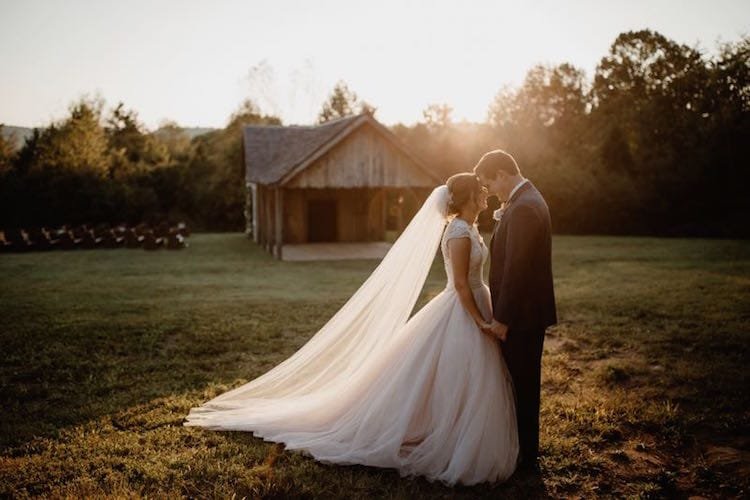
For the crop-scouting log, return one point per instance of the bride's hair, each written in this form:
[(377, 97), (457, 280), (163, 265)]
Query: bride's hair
[(462, 187)]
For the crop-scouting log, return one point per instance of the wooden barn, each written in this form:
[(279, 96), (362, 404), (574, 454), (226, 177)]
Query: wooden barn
[(342, 181)]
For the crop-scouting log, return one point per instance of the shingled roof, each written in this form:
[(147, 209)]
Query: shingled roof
[(273, 152)]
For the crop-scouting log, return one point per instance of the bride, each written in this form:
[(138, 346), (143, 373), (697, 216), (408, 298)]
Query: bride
[(428, 395)]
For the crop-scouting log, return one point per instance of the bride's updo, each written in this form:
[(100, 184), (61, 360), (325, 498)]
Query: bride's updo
[(462, 188)]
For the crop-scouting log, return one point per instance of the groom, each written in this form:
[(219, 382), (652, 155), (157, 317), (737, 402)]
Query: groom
[(523, 299)]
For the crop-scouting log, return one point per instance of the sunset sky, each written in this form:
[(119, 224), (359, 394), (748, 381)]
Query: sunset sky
[(195, 61)]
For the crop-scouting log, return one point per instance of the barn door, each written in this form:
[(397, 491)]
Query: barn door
[(321, 220)]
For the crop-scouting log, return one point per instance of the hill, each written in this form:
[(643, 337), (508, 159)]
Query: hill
[(16, 135)]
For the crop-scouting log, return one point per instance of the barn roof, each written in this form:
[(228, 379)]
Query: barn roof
[(273, 154)]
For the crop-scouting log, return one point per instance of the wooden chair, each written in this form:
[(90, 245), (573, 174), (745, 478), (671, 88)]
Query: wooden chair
[(5, 245), (41, 239), (112, 240), (151, 242), (68, 240), (90, 241), (132, 239), (120, 230), (19, 241), (183, 229), (175, 241), (51, 237), (161, 230)]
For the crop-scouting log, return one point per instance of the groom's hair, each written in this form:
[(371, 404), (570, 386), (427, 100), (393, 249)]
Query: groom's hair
[(495, 161)]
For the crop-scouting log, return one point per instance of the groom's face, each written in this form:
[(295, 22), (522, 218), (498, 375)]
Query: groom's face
[(494, 186), (481, 198)]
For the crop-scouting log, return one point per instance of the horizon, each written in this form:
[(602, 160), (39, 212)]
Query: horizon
[(431, 53)]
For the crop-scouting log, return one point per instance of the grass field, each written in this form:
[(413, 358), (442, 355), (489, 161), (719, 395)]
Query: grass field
[(645, 383)]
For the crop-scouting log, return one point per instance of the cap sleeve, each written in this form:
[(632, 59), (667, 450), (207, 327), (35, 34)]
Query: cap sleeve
[(457, 228)]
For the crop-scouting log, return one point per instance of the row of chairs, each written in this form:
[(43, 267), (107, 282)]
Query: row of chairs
[(101, 236)]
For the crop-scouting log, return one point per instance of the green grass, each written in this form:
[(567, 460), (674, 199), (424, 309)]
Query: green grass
[(103, 353)]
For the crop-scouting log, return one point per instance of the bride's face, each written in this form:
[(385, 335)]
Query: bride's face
[(481, 198)]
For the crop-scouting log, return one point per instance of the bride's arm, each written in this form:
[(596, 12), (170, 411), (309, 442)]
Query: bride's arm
[(460, 252)]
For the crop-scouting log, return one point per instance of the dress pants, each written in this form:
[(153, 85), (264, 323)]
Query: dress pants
[(522, 351)]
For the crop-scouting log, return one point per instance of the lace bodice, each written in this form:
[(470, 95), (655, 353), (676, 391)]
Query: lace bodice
[(459, 228)]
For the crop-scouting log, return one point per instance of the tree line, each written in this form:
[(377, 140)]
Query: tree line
[(93, 167), (656, 142)]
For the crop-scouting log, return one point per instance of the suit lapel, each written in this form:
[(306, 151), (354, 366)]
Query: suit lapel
[(498, 224)]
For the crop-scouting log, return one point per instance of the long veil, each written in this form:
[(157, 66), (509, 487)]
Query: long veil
[(361, 330)]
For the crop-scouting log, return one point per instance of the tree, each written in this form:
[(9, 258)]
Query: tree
[(731, 72), (503, 111), (6, 153), (133, 149), (367, 108), (615, 151), (654, 91), (726, 125), (341, 102), (62, 170), (544, 120), (248, 113), (550, 97), (77, 144), (644, 64), (176, 140), (438, 116), (217, 170)]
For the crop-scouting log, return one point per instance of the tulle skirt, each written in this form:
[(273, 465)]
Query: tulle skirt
[(437, 402)]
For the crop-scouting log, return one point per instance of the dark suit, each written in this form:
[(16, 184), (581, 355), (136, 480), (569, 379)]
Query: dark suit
[(523, 298)]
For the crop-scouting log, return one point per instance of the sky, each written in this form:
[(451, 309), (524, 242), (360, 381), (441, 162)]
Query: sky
[(194, 62)]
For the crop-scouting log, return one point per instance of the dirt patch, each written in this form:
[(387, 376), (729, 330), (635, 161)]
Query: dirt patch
[(729, 460)]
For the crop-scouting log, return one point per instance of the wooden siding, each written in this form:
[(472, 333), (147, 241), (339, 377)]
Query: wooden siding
[(364, 159)]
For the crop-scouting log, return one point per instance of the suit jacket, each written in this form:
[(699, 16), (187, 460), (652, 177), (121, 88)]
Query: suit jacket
[(521, 285)]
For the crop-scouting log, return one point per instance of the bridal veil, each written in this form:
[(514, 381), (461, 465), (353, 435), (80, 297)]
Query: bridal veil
[(357, 334)]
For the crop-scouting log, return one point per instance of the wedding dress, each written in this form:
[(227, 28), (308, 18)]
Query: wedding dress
[(428, 395)]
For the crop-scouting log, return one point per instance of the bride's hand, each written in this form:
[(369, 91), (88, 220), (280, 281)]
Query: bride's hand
[(484, 326)]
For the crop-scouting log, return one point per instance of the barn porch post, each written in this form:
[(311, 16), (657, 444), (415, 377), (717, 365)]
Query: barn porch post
[(384, 213), (251, 211), (254, 207), (270, 230), (279, 223), (262, 223)]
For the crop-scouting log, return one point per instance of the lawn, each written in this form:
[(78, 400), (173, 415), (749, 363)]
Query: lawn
[(104, 351)]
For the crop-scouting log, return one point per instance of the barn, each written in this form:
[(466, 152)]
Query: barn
[(348, 180)]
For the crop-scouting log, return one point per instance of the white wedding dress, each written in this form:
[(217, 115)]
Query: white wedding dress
[(428, 396)]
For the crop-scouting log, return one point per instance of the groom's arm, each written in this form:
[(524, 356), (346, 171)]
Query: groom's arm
[(522, 235)]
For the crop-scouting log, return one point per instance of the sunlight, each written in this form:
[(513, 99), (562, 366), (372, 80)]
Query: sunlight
[(400, 56)]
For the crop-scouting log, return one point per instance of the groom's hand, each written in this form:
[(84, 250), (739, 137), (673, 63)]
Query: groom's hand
[(485, 328), (499, 330)]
